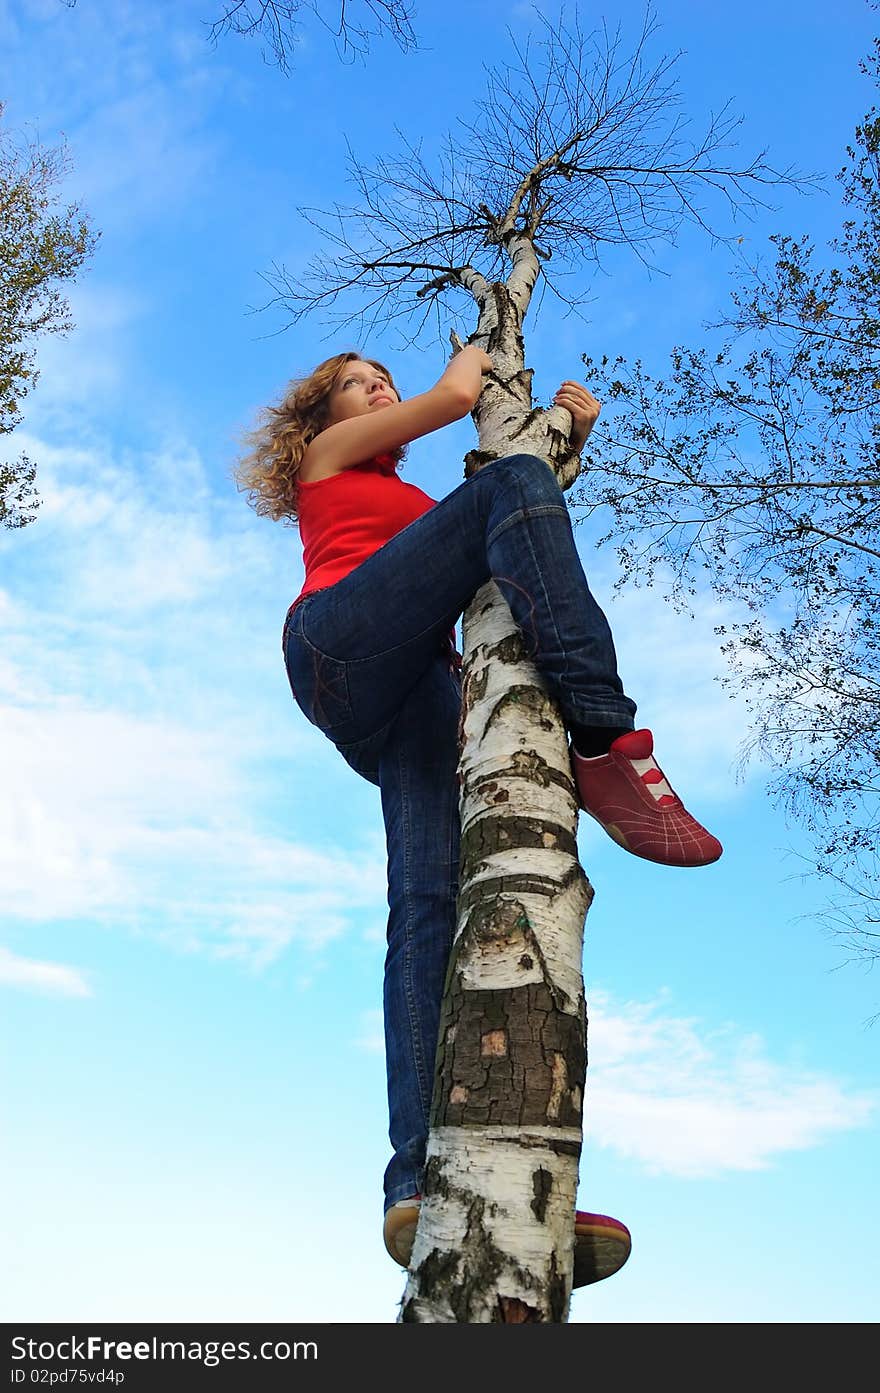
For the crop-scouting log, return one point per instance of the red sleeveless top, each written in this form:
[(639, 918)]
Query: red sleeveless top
[(343, 519)]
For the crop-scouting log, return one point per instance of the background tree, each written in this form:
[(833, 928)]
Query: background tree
[(39, 247), (756, 465), (577, 146), (354, 24), (277, 25)]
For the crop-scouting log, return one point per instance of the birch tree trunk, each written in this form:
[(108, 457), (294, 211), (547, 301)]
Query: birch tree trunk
[(575, 147), (495, 1239)]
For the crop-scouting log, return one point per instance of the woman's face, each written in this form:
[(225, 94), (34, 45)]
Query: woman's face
[(359, 388)]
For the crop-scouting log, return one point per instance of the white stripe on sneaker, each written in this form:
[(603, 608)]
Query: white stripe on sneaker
[(659, 788)]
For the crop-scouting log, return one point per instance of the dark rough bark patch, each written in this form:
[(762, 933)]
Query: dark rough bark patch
[(518, 386), (436, 1272), (474, 687), (510, 886), (436, 1179), (510, 649), (532, 416), (520, 883), (525, 696), (527, 764), (523, 764), (495, 924), (542, 1186), (486, 836), (474, 460), (520, 1088), (566, 461), (557, 1292), (561, 1147), (473, 690), (505, 318)]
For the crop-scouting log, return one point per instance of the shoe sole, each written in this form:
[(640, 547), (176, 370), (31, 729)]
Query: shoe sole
[(617, 836), (601, 1247), (601, 1244)]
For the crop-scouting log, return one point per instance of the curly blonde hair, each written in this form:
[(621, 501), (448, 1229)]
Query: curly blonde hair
[(269, 470)]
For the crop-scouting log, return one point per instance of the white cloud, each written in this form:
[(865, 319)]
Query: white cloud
[(54, 979), (134, 534), (79, 786), (687, 1100), (148, 726), (127, 821)]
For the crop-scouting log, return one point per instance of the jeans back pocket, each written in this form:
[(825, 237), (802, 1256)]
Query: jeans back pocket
[(319, 683)]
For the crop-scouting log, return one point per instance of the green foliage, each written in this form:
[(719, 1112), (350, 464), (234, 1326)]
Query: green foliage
[(756, 466), (39, 248)]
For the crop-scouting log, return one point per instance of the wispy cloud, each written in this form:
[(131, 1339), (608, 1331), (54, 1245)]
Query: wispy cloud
[(150, 736), (682, 1098), (132, 822), (52, 979)]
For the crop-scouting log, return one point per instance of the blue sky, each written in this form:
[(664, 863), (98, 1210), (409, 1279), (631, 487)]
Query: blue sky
[(193, 882)]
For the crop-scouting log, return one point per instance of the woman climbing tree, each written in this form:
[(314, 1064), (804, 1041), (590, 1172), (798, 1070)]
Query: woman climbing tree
[(369, 650)]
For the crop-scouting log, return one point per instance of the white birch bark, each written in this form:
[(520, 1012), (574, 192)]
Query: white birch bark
[(496, 1228)]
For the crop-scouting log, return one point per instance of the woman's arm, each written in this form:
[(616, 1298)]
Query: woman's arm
[(361, 437)]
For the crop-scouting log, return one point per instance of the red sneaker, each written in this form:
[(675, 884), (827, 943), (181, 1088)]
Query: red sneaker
[(601, 1244), (627, 793)]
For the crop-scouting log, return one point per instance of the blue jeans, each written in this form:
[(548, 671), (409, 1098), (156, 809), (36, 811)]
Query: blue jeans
[(369, 663)]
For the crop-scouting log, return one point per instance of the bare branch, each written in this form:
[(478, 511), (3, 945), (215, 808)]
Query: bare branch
[(277, 24), (577, 145), (805, 526)]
